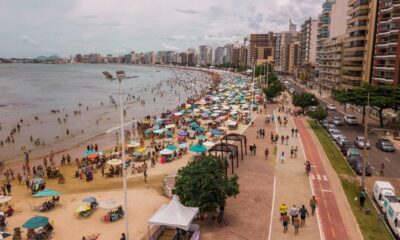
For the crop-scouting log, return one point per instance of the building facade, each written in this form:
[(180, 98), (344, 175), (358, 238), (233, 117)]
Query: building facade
[(261, 46), (331, 62), (386, 69), (308, 42)]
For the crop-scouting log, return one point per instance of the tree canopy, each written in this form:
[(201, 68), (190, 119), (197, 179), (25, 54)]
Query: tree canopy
[(381, 97), (304, 100), (204, 184), (318, 114)]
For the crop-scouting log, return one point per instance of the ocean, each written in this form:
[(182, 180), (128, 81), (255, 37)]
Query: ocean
[(32, 90)]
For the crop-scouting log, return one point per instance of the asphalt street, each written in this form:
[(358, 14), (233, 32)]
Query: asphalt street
[(375, 156)]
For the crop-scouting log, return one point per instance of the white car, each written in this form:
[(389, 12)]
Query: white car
[(350, 119), (335, 134), (337, 121), (340, 140), (331, 107)]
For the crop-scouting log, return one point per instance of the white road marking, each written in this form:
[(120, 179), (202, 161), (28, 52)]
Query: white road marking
[(325, 178), (373, 168), (326, 190), (387, 159), (375, 149), (319, 177), (312, 176)]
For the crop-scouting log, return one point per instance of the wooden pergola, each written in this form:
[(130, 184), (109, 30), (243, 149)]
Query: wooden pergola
[(237, 138), (226, 148)]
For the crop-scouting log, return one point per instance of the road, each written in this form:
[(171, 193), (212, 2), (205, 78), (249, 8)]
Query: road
[(375, 156)]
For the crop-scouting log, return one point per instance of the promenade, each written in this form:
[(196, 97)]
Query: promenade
[(247, 216)]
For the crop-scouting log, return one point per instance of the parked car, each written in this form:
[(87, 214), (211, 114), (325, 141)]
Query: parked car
[(331, 107), (340, 140), (385, 145), (331, 129), (350, 119), (337, 121), (346, 145), (357, 164), (359, 142), (325, 123), (335, 135), (352, 151)]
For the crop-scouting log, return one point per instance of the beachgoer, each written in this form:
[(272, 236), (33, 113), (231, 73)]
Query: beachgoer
[(285, 222), (266, 152), (283, 157), (294, 212), (296, 225), (362, 197), (283, 210)]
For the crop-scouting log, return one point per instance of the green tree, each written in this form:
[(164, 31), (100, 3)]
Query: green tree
[(318, 114), (381, 98), (204, 184), (304, 100), (273, 90)]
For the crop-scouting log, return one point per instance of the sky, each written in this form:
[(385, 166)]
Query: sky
[(30, 28)]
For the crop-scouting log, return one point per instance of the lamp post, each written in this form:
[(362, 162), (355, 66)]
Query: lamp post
[(120, 76)]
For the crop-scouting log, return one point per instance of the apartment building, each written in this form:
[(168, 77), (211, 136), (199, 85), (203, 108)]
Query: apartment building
[(358, 48), (294, 57), (308, 42), (331, 62), (386, 69), (261, 47)]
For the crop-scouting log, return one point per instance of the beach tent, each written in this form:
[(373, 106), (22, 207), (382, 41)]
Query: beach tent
[(174, 214), (166, 151), (114, 162), (110, 204)]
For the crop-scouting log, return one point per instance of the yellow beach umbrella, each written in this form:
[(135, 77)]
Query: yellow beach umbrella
[(140, 150), (82, 208)]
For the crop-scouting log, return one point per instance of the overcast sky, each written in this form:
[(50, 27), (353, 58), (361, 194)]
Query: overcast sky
[(29, 28)]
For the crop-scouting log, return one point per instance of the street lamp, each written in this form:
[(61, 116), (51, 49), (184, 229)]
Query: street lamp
[(120, 76)]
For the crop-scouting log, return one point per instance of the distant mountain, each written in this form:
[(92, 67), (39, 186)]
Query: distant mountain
[(44, 58)]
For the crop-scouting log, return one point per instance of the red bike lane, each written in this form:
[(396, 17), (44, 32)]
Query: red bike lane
[(331, 220)]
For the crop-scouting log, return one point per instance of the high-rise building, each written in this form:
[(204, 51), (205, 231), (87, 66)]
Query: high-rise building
[(262, 47), (287, 38), (277, 57), (331, 62), (356, 65), (220, 53), (294, 57), (205, 55), (229, 52), (308, 42), (386, 69), (292, 26)]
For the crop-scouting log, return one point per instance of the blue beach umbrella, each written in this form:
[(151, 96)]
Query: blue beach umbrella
[(183, 145), (171, 147), (89, 200), (36, 222), (216, 132), (199, 129), (46, 193), (201, 137), (198, 148)]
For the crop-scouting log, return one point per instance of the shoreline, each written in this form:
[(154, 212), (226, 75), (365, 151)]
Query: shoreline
[(16, 161)]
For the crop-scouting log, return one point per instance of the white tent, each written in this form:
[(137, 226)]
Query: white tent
[(174, 214)]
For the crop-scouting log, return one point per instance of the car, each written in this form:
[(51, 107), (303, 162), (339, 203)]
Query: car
[(357, 164), (325, 123), (331, 107), (350, 119), (335, 134), (340, 140), (332, 129), (359, 142), (352, 151), (385, 145), (346, 145), (337, 121)]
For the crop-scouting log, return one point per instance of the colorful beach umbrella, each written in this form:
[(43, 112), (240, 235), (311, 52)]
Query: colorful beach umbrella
[(114, 162), (216, 132), (201, 137), (182, 133), (36, 222), (166, 151), (89, 152), (198, 148), (82, 208), (171, 147), (183, 145), (46, 193)]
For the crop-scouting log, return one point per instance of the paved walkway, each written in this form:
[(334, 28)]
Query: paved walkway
[(292, 187), (247, 216)]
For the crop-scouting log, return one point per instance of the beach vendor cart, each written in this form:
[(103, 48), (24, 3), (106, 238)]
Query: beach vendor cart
[(166, 155), (114, 210), (39, 228)]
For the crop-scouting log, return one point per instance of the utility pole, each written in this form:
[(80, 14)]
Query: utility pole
[(267, 74), (365, 152)]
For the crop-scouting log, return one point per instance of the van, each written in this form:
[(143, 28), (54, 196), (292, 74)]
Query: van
[(392, 216), (384, 194)]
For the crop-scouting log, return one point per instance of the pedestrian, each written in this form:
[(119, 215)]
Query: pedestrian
[(266, 153), (362, 197), (295, 151), (294, 212), (296, 131), (292, 132), (282, 139), (291, 152), (254, 148), (251, 149), (283, 210), (296, 225), (3, 189), (283, 157), (285, 222), (19, 177), (145, 174), (123, 237), (382, 168), (313, 205), (8, 187), (287, 140), (221, 213), (303, 214)]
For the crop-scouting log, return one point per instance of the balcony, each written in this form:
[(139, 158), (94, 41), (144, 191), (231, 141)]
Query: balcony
[(358, 8)]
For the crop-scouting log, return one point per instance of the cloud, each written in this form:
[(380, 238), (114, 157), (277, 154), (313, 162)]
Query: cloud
[(179, 37), (168, 46), (187, 11), (90, 16), (27, 39)]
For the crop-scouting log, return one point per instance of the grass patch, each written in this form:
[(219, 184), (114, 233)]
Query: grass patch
[(371, 226)]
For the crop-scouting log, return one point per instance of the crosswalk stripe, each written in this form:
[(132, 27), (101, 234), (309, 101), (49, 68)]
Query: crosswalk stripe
[(319, 177), (312, 176), (325, 178)]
